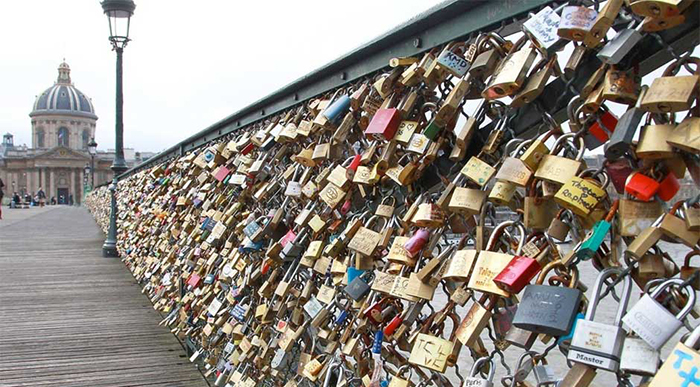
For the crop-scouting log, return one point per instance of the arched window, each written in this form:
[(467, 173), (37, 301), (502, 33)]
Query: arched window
[(40, 138), (86, 139), (63, 136)]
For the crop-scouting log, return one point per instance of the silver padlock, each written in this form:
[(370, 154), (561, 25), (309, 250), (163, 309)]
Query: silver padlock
[(638, 358), (280, 360), (544, 374), (542, 29), (652, 322), (619, 46), (597, 344), (473, 380)]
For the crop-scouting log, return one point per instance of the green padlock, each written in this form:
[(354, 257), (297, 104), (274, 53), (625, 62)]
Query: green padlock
[(589, 246)]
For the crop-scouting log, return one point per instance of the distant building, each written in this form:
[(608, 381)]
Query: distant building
[(63, 123)]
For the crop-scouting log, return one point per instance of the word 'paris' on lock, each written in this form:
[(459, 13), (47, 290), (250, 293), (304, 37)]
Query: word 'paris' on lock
[(441, 217)]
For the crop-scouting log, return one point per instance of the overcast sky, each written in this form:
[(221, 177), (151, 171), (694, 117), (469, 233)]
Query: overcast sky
[(190, 64)]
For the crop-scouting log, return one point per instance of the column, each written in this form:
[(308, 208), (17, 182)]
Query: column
[(81, 186), (30, 180), (52, 186), (72, 190)]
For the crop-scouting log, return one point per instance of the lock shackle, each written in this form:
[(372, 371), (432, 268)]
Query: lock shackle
[(476, 367), (500, 229), (572, 272), (558, 145), (624, 298), (592, 173), (403, 369), (691, 296), (675, 67), (691, 254)]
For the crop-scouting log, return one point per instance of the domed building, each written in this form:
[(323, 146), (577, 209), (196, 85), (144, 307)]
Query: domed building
[(63, 123)]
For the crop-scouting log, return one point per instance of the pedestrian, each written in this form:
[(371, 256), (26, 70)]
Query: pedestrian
[(2, 194), (42, 196), (70, 199), (16, 200), (53, 200)]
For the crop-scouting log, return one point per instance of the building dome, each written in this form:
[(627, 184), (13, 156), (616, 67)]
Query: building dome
[(63, 98)]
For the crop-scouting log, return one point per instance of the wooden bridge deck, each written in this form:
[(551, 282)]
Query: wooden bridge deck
[(69, 317)]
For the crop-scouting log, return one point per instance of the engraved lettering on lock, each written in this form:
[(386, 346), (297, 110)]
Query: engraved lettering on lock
[(586, 358), (647, 323)]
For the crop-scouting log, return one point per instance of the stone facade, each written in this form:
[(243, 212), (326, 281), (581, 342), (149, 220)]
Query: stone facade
[(63, 122)]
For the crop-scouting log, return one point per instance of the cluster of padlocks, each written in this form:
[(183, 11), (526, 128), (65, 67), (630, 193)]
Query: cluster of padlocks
[(378, 235)]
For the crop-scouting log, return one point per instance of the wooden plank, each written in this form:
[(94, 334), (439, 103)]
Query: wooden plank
[(73, 318)]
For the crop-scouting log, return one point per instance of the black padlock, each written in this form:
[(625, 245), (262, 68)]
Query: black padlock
[(626, 127), (549, 309)]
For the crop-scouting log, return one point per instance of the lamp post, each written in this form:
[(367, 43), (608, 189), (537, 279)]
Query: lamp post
[(87, 171), (119, 16), (92, 149)]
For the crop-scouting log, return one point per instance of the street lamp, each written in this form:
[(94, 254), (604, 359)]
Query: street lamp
[(119, 16), (92, 149)]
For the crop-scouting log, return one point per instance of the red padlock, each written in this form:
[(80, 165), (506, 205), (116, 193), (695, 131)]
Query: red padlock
[(415, 244), (609, 122), (352, 168), (247, 149), (384, 124), (668, 187), (374, 312), (194, 280), (641, 186), (520, 270), (393, 325)]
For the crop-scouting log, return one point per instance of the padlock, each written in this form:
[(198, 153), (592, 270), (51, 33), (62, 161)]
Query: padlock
[(597, 344), (474, 380), (604, 20), (490, 263), (621, 86), (651, 321), (491, 48), (542, 29), (467, 201), (638, 357), (384, 124), (515, 170), (659, 8), (652, 141), (544, 374), (576, 22), (582, 193), (674, 227), (559, 169), (590, 245), (452, 59), (670, 92), (549, 309), (475, 320), (681, 367), (688, 271), (519, 272), (626, 128), (686, 135), (511, 72), (402, 377), (619, 46), (692, 216)]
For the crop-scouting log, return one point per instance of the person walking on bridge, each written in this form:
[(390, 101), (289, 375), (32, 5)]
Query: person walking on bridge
[(42, 196)]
